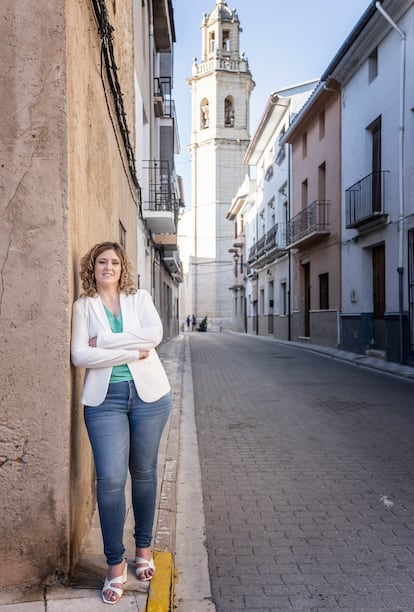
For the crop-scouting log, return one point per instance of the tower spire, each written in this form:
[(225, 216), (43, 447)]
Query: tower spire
[(221, 84)]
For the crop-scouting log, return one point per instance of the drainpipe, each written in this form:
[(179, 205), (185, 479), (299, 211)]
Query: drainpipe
[(400, 268), (289, 305), (152, 122)]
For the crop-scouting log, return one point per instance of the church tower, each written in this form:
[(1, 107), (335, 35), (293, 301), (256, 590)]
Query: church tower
[(221, 85)]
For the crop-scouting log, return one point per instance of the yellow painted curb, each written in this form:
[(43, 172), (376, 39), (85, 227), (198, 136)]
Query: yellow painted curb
[(160, 595)]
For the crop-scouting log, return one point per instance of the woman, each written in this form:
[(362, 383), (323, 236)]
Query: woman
[(126, 395)]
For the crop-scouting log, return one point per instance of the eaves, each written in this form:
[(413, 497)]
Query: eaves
[(366, 35), (273, 113)]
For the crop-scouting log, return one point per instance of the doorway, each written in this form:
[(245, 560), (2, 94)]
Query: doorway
[(271, 309), (378, 294), (307, 296)]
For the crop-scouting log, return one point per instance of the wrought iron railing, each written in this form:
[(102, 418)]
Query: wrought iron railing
[(276, 237), (162, 189), (162, 92), (365, 199), (311, 220), (260, 246)]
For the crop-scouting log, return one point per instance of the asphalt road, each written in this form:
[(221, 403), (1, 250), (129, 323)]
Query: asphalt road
[(307, 470)]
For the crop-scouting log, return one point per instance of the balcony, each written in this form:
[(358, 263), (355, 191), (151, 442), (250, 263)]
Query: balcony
[(269, 246), (163, 103), (160, 210), (173, 263), (365, 202), (276, 240), (312, 223)]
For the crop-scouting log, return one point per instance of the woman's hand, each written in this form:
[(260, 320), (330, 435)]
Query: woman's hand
[(142, 354)]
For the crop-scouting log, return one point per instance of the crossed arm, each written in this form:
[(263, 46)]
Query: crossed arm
[(107, 349)]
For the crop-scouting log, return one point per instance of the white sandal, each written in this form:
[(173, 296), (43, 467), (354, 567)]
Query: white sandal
[(108, 584), (147, 565)]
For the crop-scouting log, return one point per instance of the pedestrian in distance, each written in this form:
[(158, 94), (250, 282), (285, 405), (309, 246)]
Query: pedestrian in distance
[(193, 323), (127, 401), (188, 322)]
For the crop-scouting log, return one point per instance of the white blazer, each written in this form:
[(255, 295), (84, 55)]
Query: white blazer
[(142, 331)]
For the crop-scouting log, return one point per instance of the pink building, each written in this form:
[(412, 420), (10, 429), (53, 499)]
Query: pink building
[(314, 227)]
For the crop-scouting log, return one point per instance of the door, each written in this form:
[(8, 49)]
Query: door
[(378, 290), (271, 309), (411, 286), (306, 281)]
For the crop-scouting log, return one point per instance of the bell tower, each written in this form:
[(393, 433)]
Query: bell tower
[(221, 85)]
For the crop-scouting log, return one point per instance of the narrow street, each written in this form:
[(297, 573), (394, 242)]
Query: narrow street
[(308, 478)]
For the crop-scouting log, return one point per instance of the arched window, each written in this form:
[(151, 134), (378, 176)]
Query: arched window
[(204, 114), (228, 112)]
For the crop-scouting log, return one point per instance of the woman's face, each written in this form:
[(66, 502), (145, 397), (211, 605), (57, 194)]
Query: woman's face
[(107, 270)]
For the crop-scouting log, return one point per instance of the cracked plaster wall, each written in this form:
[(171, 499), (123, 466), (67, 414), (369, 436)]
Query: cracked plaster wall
[(63, 188)]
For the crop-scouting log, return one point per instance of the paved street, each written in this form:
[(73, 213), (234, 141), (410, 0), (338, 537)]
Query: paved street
[(308, 478)]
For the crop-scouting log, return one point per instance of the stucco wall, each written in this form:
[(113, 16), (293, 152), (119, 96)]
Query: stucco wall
[(99, 189), (34, 306), (64, 187)]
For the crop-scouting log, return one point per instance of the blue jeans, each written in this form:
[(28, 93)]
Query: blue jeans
[(125, 432)]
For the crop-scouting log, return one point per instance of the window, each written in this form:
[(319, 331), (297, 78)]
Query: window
[(322, 182), (122, 235), (204, 114), (373, 65), (261, 302), (305, 193), (304, 145), (226, 40), (283, 299), (281, 153), (324, 291), (228, 112), (212, 42), (321, 125)]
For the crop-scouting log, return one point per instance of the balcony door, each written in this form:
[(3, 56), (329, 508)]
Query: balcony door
[(376, 166)]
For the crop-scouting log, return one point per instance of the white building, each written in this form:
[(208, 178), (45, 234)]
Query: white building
[(265, 214), (375, 67), (157, 142), (221, 85)]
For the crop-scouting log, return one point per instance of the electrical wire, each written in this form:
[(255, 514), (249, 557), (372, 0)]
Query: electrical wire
[(107, 61)]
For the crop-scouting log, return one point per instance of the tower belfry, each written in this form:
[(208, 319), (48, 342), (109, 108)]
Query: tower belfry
[(221, 84)]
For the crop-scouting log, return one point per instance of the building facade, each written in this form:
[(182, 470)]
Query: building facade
[(349, 232), (157, 143), (314, 226), (260, 213), (373, 68), (220, 88), (70, 178)]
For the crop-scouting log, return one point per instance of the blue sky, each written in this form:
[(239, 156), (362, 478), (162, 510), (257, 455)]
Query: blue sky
[(285, 41)]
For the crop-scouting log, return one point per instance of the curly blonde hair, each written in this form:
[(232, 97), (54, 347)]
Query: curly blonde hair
[(87, 269)]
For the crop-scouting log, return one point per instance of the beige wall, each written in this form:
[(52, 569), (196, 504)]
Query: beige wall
[(324, 253), (64, 187), (34, 315)]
